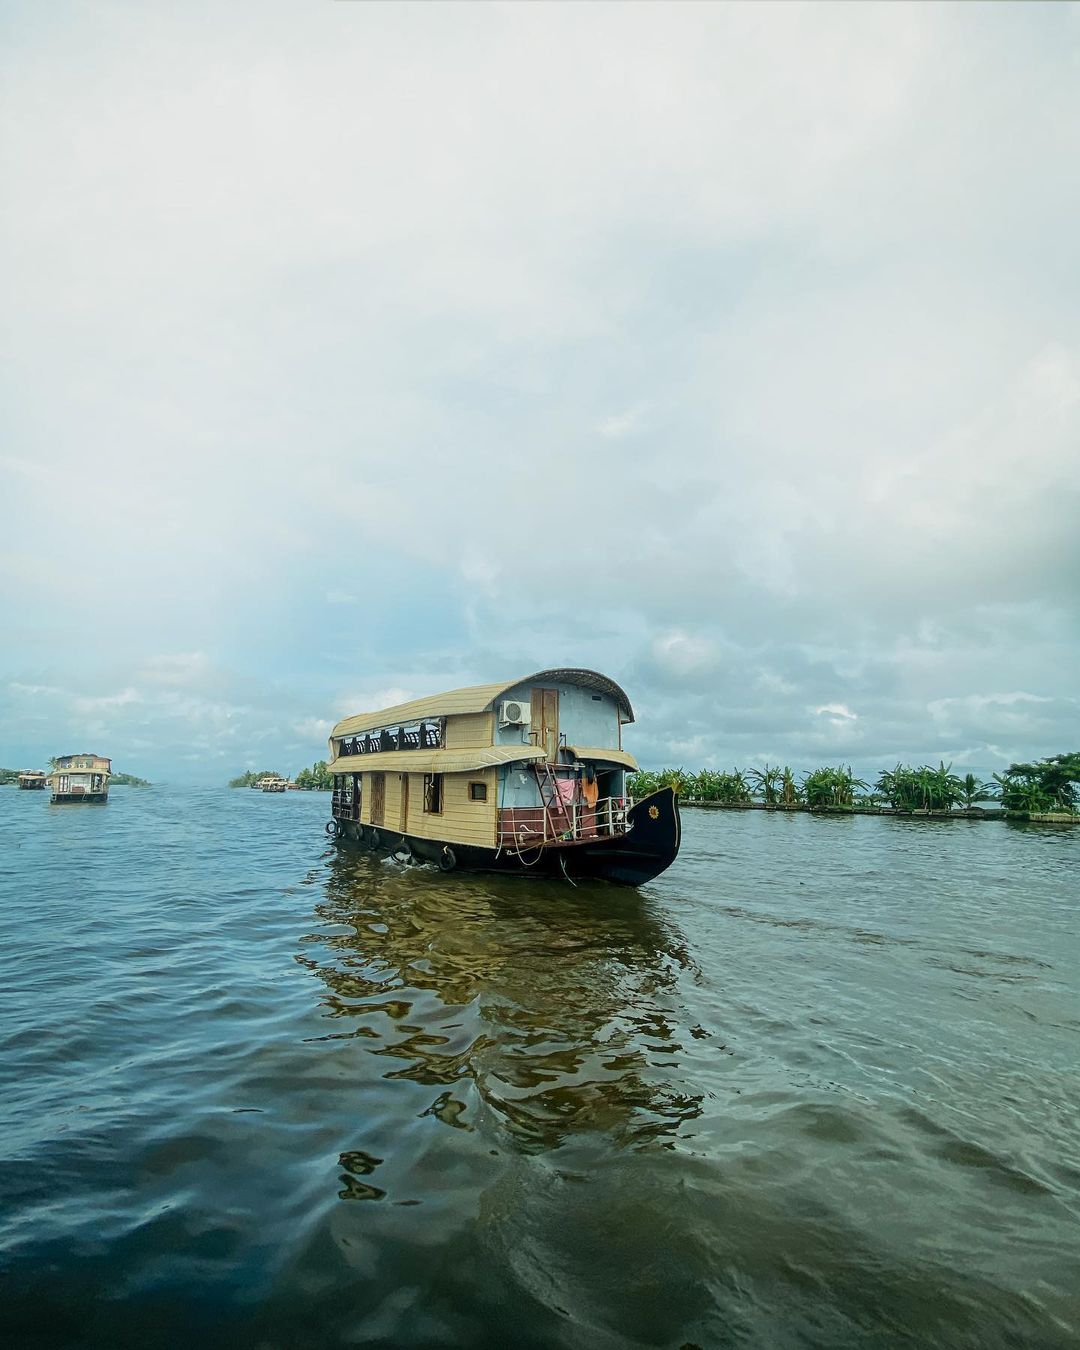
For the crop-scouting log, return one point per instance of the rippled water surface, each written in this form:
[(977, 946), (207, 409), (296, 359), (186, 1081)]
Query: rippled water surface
[(816, 1086)]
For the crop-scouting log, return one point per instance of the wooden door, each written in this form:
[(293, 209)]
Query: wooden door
[(404, 825), (378, 797), (544, 710)]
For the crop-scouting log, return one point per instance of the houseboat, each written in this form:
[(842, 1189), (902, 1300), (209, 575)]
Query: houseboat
[(80, 778), (525, 776), (32, 780), (273, 784)]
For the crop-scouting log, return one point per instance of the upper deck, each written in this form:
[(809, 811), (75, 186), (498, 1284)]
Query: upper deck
[(532, 718), (84, 763)]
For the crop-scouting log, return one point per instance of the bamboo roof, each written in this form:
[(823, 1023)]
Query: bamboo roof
[(477, 698), (436, 761)]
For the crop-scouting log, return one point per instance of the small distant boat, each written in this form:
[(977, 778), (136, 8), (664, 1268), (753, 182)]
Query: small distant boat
[(32, 780), (81, 778), (526, 776), (274, 784)]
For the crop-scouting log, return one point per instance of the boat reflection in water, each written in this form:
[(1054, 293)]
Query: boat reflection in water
[(536, 1010), (552, 1150), (511, 1053)]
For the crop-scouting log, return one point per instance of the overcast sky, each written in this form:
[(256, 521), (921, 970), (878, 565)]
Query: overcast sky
[(354, 352)]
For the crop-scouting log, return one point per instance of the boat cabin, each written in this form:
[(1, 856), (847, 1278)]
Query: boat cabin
[(508, 766), (32, 780), (81, 778)]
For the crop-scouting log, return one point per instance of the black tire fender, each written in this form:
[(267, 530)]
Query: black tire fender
[(333, 829), (374, 838), (447, 859)]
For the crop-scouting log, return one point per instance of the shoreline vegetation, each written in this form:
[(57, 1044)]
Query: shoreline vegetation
[(1048, 789), (316, 779)]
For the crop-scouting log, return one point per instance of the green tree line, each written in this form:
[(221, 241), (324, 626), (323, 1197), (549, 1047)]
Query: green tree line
[(317, 778), (1051, 784)]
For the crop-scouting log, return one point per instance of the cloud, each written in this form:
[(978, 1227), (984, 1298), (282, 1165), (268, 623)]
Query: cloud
[(31, 690), (728, 349), (176, 668), (124, 698), (836, 713), (313, 728), (620, 425), (352, 705), (684, 654)]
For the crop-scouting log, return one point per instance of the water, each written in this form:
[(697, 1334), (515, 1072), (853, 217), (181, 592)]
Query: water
[(816, 1086)]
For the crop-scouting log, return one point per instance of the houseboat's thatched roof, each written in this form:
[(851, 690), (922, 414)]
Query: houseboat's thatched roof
[(476, 699)]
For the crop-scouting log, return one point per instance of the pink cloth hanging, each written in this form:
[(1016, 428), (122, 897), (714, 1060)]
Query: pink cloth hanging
[(567, 789)]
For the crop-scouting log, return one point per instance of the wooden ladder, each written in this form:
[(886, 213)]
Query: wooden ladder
[(554, 806)]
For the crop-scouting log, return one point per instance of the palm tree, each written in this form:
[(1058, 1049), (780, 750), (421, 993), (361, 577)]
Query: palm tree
[(972, 790)]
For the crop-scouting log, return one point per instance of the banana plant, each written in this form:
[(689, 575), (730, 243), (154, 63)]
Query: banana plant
[(642, 784), (766, 783), (704, 786), (676, 779), (832, 786), (731, 788), (790, 792), (1019, 793)]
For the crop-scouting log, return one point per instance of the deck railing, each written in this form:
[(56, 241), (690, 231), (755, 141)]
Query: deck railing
[(426, 736), (343, 807), (528, 827)]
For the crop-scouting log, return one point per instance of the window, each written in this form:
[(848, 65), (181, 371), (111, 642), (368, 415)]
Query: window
[(478, 792), (433, 794)]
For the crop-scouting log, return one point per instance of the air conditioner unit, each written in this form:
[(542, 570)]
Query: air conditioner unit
[(512, 713)]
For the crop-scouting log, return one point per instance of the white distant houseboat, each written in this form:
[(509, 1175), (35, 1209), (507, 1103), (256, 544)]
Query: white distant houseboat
[(526, 776), (81, 778), (273, 784)]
